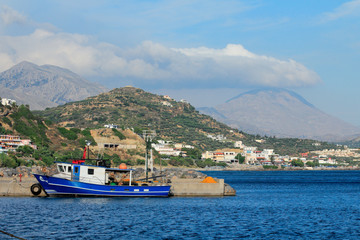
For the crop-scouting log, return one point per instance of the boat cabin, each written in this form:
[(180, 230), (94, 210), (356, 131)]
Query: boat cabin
[(94, 174)]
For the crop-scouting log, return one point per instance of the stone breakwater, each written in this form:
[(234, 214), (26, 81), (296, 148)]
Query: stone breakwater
[(184, 182)]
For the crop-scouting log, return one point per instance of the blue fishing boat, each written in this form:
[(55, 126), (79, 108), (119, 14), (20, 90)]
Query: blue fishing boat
[(80, 179)]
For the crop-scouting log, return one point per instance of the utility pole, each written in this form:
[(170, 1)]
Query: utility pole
[(148, 136)]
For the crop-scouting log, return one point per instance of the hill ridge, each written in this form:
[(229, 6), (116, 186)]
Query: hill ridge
[(281, 113), (45, 86)]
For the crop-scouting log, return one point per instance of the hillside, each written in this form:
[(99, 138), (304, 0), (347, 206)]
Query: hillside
[(44, 86), (57, 143), (280, 113), (131, 107)]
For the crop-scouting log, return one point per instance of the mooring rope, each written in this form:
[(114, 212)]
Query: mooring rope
[(12, 235)]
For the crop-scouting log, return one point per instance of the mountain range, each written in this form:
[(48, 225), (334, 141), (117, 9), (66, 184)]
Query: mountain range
[(281, 113), (271, 112), (45, 86), (175, 121)]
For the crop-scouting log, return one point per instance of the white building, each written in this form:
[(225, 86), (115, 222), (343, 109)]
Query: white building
[(239, 144), (7, 102), (165, 103), (180, 146), (249, 149), (111, 126)]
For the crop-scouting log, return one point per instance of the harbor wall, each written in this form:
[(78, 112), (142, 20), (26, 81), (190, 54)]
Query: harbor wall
[(195, 187), (12, 187)]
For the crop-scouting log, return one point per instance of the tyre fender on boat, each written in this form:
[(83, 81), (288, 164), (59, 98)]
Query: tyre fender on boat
[(36, 189)]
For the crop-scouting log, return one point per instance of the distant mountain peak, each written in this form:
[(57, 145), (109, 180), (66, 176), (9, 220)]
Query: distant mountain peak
[(273, 91), (25, 63), (45, 86), (282, 113)]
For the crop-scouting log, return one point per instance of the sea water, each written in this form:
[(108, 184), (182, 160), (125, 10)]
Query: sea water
[(268, 205)]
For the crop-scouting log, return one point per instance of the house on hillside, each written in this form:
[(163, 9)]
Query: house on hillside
[(239, 144), (11, 143), (220, 156), (111, 126), (7, 102), (165, 103)]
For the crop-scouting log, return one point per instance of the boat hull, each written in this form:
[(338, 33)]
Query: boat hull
[(54, 186)]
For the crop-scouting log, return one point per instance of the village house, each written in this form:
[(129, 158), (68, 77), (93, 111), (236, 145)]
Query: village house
[(239, 144), (11, 143), (168, 97), (225, 155), (7, 102), (181, 146), (111, 126), (170, 149), (165, 103)]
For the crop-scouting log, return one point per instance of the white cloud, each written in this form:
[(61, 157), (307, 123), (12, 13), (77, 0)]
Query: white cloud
[(9, 16), (152, 64), (346, 9)]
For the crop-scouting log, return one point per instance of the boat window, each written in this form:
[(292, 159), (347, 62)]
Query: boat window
[(69, 169), (76, 169), (61, 169), (90, 171)]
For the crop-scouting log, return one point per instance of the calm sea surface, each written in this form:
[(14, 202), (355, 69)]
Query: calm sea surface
[(268, 205)]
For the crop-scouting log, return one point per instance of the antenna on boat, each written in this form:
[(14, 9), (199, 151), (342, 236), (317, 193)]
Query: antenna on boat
[(148, 136)]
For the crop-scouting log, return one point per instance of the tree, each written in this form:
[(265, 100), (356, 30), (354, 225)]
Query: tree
[(193, 153), (25, 150), (7, 161), (272, 159), (297, 163), (241, 158), (313, 164)]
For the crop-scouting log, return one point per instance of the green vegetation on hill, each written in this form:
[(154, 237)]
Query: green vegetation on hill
[(118, 134), (134, 108), (129, 108), (20, 121)]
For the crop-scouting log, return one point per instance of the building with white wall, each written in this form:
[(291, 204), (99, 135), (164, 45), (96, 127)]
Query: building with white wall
[(7, 102)]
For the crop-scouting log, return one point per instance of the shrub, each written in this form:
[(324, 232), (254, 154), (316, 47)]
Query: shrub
[(118, 134), (75, 130), (7, 121), (7, 161), (70, 135), (240, 158), (270, 167), (25, 150), (297, 163), (140, 162)]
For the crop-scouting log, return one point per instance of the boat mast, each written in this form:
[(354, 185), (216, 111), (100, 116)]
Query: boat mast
[(148, 136), (88, 142)]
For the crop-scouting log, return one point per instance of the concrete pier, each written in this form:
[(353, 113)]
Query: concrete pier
[(195, 187), (11, 186)]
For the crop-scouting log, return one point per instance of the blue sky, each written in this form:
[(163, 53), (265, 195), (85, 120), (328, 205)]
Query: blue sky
[(204, 51)]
